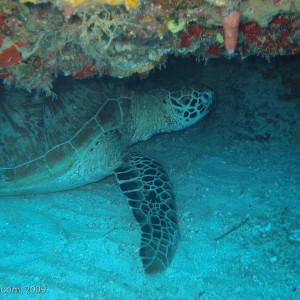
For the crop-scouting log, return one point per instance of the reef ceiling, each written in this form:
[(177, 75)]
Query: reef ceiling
[(41, 39)]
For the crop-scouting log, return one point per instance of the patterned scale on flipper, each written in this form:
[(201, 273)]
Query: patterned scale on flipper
[(146, 185)]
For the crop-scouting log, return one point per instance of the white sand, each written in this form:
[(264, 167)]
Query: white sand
[(238, 169)]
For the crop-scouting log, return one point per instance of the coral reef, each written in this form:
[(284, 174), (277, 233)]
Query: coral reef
[(40, 39), (75, 3)]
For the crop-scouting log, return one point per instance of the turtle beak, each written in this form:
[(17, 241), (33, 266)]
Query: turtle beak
[(214, 100)]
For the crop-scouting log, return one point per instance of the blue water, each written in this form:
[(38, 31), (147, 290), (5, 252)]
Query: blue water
[(237, 184)]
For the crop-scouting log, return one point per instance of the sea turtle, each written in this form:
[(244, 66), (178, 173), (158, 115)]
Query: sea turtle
[(81, 137)]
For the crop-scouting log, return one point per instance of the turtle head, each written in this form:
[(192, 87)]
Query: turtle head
[(166, 110), (188, 105)]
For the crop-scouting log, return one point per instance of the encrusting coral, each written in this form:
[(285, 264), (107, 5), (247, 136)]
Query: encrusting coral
[(40, 39), (128, 3)]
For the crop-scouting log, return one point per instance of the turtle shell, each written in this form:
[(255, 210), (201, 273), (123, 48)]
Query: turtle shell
[(43, 139)]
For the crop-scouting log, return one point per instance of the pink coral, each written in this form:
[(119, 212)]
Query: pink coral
[(231, 22)]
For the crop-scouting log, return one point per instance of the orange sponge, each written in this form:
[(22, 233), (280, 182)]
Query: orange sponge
[(231, 24)]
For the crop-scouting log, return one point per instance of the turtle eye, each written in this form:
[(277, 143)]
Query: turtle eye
[(205, 97)]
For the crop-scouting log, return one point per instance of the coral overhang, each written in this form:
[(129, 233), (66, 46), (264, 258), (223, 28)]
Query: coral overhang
[(40, 39)]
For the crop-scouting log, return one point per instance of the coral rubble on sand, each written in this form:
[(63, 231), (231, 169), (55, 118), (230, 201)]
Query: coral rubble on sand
[(40, 39)]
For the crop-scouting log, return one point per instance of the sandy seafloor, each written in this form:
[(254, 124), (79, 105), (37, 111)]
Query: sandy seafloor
[(236, 176)]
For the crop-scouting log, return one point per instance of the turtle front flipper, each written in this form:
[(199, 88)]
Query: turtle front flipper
[(146, 185)]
